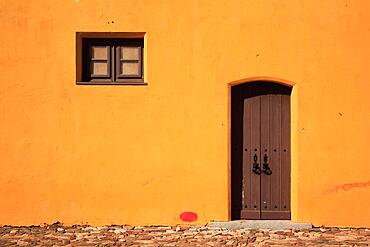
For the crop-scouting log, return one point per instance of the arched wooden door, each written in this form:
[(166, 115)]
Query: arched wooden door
[(260, 151)]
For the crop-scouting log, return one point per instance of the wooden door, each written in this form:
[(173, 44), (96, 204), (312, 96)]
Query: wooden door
[(261, 139), (275, 156)]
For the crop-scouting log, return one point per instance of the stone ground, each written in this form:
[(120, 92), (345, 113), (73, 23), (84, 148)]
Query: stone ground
[(59, 235)]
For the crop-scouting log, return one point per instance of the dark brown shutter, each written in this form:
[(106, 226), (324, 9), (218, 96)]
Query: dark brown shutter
[(129, 61), (110, 60), (100, 59)]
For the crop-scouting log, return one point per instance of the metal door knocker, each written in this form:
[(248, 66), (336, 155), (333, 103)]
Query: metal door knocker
[(256, 167), (266, 168)]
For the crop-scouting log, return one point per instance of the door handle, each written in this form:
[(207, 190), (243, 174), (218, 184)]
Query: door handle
[(256, 167), (266, 168)]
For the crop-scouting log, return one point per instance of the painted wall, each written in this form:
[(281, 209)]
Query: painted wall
[(144, 154)]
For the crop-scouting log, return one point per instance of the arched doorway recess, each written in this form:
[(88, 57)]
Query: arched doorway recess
[(260, 150)]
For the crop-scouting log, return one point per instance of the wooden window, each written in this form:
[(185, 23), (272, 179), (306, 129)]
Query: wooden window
[(112, 61)]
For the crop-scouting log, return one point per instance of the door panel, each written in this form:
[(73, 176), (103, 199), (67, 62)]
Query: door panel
[(251, 147), (278, 161), (285, 152), (266, 182), (274, 158)]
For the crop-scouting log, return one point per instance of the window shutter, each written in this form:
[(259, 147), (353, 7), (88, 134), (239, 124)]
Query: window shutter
[(100, 62), (112, 61), (129, 61)]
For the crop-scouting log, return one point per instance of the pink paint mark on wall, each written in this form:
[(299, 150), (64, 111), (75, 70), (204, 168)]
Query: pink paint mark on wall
[(188, 216), (348, 186)]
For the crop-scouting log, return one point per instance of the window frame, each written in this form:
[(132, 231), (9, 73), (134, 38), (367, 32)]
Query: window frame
[(114, 60)]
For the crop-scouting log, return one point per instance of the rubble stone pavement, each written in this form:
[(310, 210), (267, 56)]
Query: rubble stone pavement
[(59, 235)]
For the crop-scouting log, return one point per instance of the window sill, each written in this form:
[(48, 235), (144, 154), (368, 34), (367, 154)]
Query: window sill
[(104, 83)]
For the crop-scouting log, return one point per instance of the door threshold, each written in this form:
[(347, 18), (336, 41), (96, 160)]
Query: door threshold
[(260, 224)]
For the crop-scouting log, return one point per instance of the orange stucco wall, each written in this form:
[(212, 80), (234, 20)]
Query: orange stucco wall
[(143, 154)]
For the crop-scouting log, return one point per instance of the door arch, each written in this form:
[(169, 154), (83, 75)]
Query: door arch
[(260, 150)]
